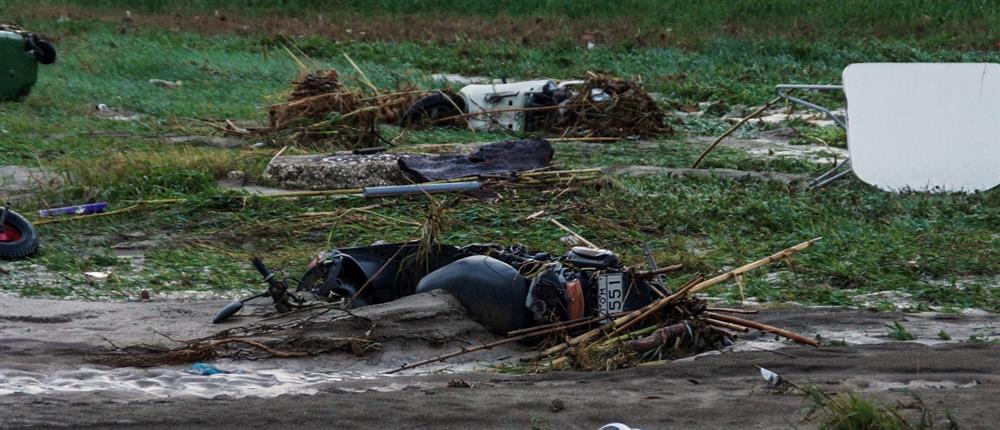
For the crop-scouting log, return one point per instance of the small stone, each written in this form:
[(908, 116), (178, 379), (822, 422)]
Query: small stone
[(570, 240), (459, 383), (237, 176), (557, 405), (144, 295)]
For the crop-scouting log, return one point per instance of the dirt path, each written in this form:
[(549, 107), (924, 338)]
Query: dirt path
[(715, 390)]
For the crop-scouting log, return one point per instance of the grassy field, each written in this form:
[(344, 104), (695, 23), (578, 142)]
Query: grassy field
[(942, 249)]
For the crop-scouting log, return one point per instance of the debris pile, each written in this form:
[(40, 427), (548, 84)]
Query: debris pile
[(675, 325), (608, 106), (287, 339), (672, 326), (322, 109), (324, 112), (583, 310), (504, 159)]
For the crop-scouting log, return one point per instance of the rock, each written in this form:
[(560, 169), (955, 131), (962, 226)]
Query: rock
[(166, 84), (237, 176), (557, 405), (570, 240), (328, 172)]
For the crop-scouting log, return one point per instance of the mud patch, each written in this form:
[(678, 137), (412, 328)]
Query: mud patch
[(767, 148)]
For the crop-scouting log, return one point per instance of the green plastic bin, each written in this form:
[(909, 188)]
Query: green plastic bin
[(20, 53)]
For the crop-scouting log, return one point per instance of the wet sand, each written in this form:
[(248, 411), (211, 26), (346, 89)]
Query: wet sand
[(46, 382)]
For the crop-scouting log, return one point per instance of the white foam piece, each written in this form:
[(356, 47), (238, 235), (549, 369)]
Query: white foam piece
[(924, 126)]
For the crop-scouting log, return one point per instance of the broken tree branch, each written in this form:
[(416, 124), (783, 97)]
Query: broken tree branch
[(746, 268), (763, 327), (733, 311), (733, 129), (726, 325), (574, 234), (660, 271)]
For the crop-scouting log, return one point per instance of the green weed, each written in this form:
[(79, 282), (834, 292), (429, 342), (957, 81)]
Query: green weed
[(852, 411), (898, 332)]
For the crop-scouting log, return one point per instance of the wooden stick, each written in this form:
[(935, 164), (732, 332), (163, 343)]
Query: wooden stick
[(659, 271), (562, 172), (364, 77), (336, 213), (474, 349), (726, 325), (733, 311), (255, 344), (617, 323), (658, 305), (566, 324), (282, 151), (763, 327), (746, 268), (584, 139), (573, 233), (733, 129)]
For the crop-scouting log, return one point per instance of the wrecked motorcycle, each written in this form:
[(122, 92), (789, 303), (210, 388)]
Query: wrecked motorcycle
[(514, 106), (18, 238), (505, 289)]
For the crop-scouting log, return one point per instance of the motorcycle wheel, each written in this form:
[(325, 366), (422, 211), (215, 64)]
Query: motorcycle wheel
[(18, 239), (431, 108)]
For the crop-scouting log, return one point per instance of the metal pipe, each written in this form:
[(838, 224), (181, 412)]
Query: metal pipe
[(402, 190), (782, 91), (779, 87), (834, 178), (829, 172)]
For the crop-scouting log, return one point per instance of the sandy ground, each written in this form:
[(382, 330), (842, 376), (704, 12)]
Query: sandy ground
[(46, 381)]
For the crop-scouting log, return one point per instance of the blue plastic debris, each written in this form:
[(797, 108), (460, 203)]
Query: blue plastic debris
[(207, 369), (90, 208)]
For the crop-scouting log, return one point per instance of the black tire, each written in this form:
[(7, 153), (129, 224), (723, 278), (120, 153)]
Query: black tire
[(431, 108), (44, 51), (492, 291), (19, 239)]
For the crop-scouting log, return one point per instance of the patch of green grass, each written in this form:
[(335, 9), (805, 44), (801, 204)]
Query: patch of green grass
[(872, 240), (943, 335), (979, 338), (898, 332), (837, 343), (826, 136), (955, 23), (853, 411)]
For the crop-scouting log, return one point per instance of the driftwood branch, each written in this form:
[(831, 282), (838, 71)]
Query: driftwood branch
[(763, 327)]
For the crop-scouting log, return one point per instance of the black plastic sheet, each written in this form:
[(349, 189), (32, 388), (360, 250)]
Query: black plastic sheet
[(494, 159)]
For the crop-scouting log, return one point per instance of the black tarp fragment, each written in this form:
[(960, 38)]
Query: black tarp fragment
[(494, 159)]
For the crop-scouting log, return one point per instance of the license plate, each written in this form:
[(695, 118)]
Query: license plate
[(610, 293)]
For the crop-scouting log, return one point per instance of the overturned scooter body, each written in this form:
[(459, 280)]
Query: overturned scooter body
[(504, 288)]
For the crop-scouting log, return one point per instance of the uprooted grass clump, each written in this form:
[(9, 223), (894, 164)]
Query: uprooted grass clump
[(608, 106), (290, 339), (852, 411), (323, 113)]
